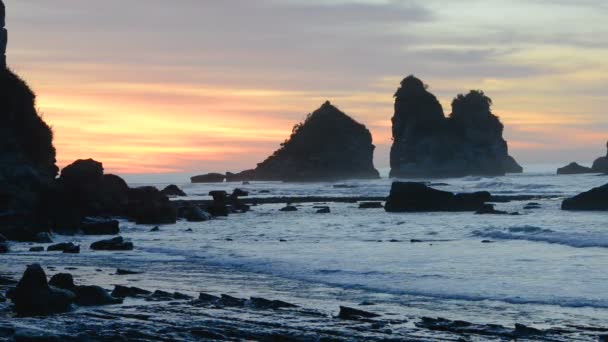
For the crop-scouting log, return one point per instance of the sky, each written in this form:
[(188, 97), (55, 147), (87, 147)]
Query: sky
[(150, 86)]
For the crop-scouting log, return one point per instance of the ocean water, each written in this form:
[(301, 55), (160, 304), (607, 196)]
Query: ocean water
[(545, 267)]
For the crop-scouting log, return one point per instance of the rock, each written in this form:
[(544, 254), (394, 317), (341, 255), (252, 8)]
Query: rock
[(325, 210), (489, 209), (227, 300), (173, 191), (355, 314), (33, 296), (262, 303), (37, 249), (239, 193), (63, 281), (289, 208), (61, 247), (427, 144), (4, 247), (594, 199), (94, 296), (75, 249), (327, 146), (115, 244), (147, 205), (124, 291), (43, 237), (371, 205), (417, 197), (160, 296), (121, 271), (196, 214), (573, 169), (96, 226), (600, 165), (155, 229), (209, 178), (235, 202), (244, 176), (219, 207), (207, 298)]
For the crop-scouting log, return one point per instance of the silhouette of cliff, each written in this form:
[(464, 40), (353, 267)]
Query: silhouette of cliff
[(427, 144), (328, 145)]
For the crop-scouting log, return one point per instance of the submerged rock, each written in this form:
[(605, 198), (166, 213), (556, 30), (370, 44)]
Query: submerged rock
[(573, 169), (173, 191), (33, 296), (208, 178), (594, 199), (115, 244), (489, 209), (125, 291), (427, 144), (327, 146), (289, 208), (417, 197), (355, 314)]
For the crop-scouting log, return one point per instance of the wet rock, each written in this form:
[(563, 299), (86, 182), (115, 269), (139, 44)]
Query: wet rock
[(524, 331), (43, 237), (125, 291), (173, 191), (327, 146), (63, 281), (4, 248), (98, 226), (324, 210), (573, 169), (93, 296), (463, 327), (121, 271), (288, 208), (115, 244), (594, 199), (62, 247), (426, 143), (37, 249), (207, 298), (227, 300), (235, 202), (417, 197), (196, 214), (163, 296), (262, 303), (181, 296), (209, 178), (33, 296), (219, 207), (355, 314), (371, 205), (155, 229), (487, 241), (147, 205), (488, 209), (75, 249), (240, 193)]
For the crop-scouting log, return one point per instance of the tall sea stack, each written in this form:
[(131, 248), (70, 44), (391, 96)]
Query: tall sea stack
[(329, 145), (427, 144)]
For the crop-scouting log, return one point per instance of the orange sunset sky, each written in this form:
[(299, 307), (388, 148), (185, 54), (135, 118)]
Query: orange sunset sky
[(150, 86)]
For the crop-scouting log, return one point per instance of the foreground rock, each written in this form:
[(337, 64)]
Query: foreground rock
[(327, 146), (594, 199), (115, 244), (427, 144), (600, 165), (33, 296), (417, 197), (147, 205), (573, 169)]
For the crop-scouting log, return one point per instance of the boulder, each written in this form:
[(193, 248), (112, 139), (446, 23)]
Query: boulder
[(63, 281), (573, 169), (33, 296), (219, 207), (65, 247), (417, 197), (427, 144), (289, 208), (125, 291), (147, 205), (93, 296), (196, 214), (594, 199), (97, 226), (173, 191), (328, 146), (208, 178), (115, 244)]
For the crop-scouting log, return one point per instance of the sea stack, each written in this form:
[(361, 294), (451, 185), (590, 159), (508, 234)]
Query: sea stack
[(3, 36), (427, 144), (329, 145), (601, 164)]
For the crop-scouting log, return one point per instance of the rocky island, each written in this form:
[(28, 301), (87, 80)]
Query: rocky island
[(427, 144)]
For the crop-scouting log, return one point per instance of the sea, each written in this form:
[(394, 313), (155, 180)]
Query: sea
[(545, 268)]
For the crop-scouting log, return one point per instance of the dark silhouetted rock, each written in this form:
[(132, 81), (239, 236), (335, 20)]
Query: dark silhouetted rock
[(327, 146), (37, 249), (147, 205), (417, 197), (488, 209), (207, 298), (208, 178), (115, 244), (243, 176), (227, 300), (61, 247), (196, 214), (4, 248), (121, 271), (63, 281), (33, 295), (427, 144), (289, 208), (324, 210), (75, 249), (263, 303), (594, 199), (219, 207), (235, 203), (573, 169), (96, 226), (93, 296), (173, 191), (600, 165), (371, 205), (124, 291), (355, 314), (43, 237)]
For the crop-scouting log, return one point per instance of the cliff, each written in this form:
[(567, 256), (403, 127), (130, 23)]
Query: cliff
[(427, 144), (328, 145)]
